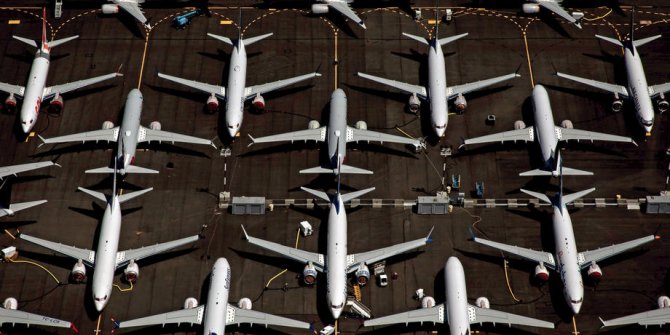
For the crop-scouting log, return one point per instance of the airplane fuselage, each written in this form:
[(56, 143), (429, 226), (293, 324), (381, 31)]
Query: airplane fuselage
[(437, 88), (566, 258), (237, 74), (105, 255), (336, 258), (129, 130), (337, 124), (457, 297), (545, 126), (214, 321), (638, 89), (32, 97)]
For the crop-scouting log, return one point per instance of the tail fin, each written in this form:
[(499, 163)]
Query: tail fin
[(632, 25), (44, 29)]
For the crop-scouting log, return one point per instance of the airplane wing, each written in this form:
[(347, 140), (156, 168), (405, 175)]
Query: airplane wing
[(189, 315), (434, 314), (355, 135), (250, 92), (12, 89), (567, 134), (656, 90), (292, 253), (133, 8), (526, 134), (656, 317), (318, 134), (621, 90), (556, 8), (481, 315), (454, 91), (123, 257), (13, 208), (49, 92), (384, 253), (585, 258), (108, 135), (409, 88), (88, 256), (219, 91), (12, 316), (533, 255), (344, 9), (150, 135), (13, 170), (238, 315)]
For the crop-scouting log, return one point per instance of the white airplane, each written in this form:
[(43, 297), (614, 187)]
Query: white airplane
[(337, 134), (341, 6), (567, 261), (637, 90), (10, 315), (107, 259), (657, 317), (132, 7), (128, 135), (438, 93), (555, 7), (13, 170), (456, 311), (548, 134), (237, 93), (337, 263), (216, 313), (35, 92)]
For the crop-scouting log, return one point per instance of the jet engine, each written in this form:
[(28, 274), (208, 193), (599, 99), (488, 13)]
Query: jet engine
[(663, 301), (567, 124), (541, 272), (244, 303), (107, 125), (518, 124), (56, 105), (212, 103), (461, 104), (319, 8), (427, 302), (190, 303), (530, 8), (110, 9), (362, 274), (258, 103), (663, 104), (617, 103), (10, 102), (362, 125), (313, 124), (483, 302), (309, 274), (594, 271), (11, 303), (155, 125), (78, 273), (131, 272), (414, 104)]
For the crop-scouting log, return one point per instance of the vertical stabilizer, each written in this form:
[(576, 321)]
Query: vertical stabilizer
[(44, 30)]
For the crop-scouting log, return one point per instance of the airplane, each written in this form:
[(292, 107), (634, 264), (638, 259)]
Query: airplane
[(555, 7), (127, 135), (341, 6), (456, 311), (237, 93), (337, 135), (35, 92), (132, 7), (107, 259), (566, 260), (13, 170), (657, 317), (11, 315), (548, 135), (438, 93), (337, 263), (637, 90), (216, 313)]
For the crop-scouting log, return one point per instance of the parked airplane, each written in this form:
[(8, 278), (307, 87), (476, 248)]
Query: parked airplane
[(555, 7), (657, 317), (13, 170), (637, 89), (237, 93), (10, 315), (548, 135), (456, 311), (337, 263), (128, 135), (567, 261), (107, 259), (342, 6), (216, 313), (337, 135), (35, 92), (438, 93), (132, 7)]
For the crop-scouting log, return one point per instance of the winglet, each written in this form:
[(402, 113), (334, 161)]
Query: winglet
[(604, 323), (473, 237), (246, 236), (116, 323), (253, 140), (429, 237), (44, 141), (656, 236), (118, 71), (74, 329)]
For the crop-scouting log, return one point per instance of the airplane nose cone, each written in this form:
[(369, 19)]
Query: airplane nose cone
[(25, 126), (440, 132), (100, 305), (336, 312), (233, 131), (647, 131), (575, 308)]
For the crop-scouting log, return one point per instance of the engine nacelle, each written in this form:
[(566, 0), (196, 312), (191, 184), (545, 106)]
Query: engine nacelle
[(482, 302), (10, 303), (314, 124), (107, 125), (414, 104), (155, 125), (518, 124), (11, 101), (567, 124), (541, 272), (362, 274), (530, 8), (309, 274), (319, 8), (461, 104), (663, 105), (190, 303), (258, 103), (427, 302), (110, 9), (617, 103), (594, 271), (78, 273), (131, 272), (212, 103), (56, 105), (245, 303), (663, 301), (361, 125)]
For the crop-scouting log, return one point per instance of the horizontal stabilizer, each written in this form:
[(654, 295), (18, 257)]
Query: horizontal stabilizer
[(132, 195), (356, 194), (320, 194), (319, 169), (128, 169), (611, 40), (450, 39), (540, 196), (28, 41), (61, 41), (566, 172), (13, 208), (221, 38), (568, 198), (416, 38), (644, 41), (98, 195), (252, 40), (343, 169)]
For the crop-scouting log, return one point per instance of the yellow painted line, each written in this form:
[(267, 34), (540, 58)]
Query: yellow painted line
[(574, 326), (432, 21), (226, 22), (509, 287), (38, 265), (32, 134), (297, 238), (530, 66), (14, 22), (10, 234), (97, 328), (144, 57), (124, 289), (336, 331)]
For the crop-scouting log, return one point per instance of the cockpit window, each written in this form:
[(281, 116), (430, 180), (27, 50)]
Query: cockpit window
[(337, 306), (577, 301), (101, 299)]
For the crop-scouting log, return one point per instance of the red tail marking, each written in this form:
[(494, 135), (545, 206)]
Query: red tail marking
[(45, 46)]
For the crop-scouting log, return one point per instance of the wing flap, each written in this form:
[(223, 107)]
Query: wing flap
[(13, 208), (409, 88), (150, 135), (318, 135), (88, 256), (107, 135), (374, 136), (454, 91), (190, 316), (13, 170), (384, 253), (533, 255), (123, 257), (656, 90), (567, 134), (250, 92), (618, 89), (49, 92), (239, 316), (292, 253), (585, 258), (433, 315), (525, 135), (12, 89), (656, 317), (219, 91), (491, 315), (10, 316)]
